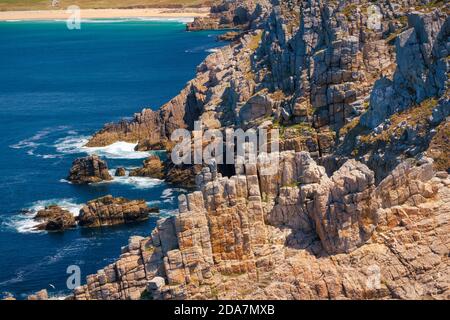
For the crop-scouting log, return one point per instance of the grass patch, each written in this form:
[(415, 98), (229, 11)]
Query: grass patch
[(254, 41), (11, 5), (439, 148)]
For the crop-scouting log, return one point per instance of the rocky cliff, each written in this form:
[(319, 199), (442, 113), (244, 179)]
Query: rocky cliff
[(253, 236), (359, 207), (324, 73)]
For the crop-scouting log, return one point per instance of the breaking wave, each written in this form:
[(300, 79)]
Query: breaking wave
[(135, 182), (25, 223), (117, 150)]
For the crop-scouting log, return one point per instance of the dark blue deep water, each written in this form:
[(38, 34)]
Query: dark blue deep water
[(57, 87)]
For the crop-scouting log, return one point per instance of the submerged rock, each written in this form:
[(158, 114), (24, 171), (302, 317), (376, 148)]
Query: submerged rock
[(90, 169), (108, 211), (55, 219)]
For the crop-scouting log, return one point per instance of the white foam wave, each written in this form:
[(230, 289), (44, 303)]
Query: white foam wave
[(160, 19), (135, 182), (165, 213), (150, 19), (25, 223), (213, 50), (117, 150), (153, 203), (71, 144), (104, 20)]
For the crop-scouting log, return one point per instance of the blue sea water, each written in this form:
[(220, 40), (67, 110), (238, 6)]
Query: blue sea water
[(57, 87)]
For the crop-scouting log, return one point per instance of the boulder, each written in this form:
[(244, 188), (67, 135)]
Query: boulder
[(55, 219), (90, 169), (40, 295), (120, 172), (152, 167)]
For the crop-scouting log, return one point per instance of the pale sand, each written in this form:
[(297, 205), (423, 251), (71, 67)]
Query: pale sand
[(105, 14)]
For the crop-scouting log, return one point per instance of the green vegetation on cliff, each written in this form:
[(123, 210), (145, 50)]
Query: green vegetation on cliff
[(10, 5)]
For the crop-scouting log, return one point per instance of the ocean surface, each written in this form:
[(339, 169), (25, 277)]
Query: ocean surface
[(57, 87)]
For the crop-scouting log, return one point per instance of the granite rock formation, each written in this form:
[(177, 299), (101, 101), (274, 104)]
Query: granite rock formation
[(353, 241), (321, 73), (54, 218), (90, 169), (152, 167), (356, 208), (120, 172), (108, 211)]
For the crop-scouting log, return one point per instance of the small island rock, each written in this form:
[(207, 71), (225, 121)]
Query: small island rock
[(108, 211), (90, 169)]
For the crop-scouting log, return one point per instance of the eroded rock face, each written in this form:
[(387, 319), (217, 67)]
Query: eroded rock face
[(111, 211), (422, 67), (120, 172), (89, 169), (350, 214), (40, 295), (55, 219), (234, 239), (362, 231)]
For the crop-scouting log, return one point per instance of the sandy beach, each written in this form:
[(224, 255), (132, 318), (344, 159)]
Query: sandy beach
[(105, 13)]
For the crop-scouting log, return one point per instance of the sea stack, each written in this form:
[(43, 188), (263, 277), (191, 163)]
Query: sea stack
[(108, 211), (55, 219), (90, 169)]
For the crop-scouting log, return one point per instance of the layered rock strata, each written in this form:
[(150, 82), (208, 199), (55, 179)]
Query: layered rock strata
[(54, 218), (320, 72), (315, 237), (361, 89)]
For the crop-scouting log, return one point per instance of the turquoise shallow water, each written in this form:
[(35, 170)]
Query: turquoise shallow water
[(57, 87)]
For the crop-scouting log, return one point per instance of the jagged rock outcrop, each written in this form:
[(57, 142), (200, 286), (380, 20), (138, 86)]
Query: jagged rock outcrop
[(232, 240), (108, 211), (40, 295), (232, 15), (360, 94), (313, 69), (152, 167), (422, 67), (90, 169), (55, 219)]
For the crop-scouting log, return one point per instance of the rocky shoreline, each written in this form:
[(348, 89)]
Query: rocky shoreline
[(315, 240)]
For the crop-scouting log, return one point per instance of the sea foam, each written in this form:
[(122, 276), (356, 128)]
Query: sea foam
[(25, 223), (135, 182), (117, 150)]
